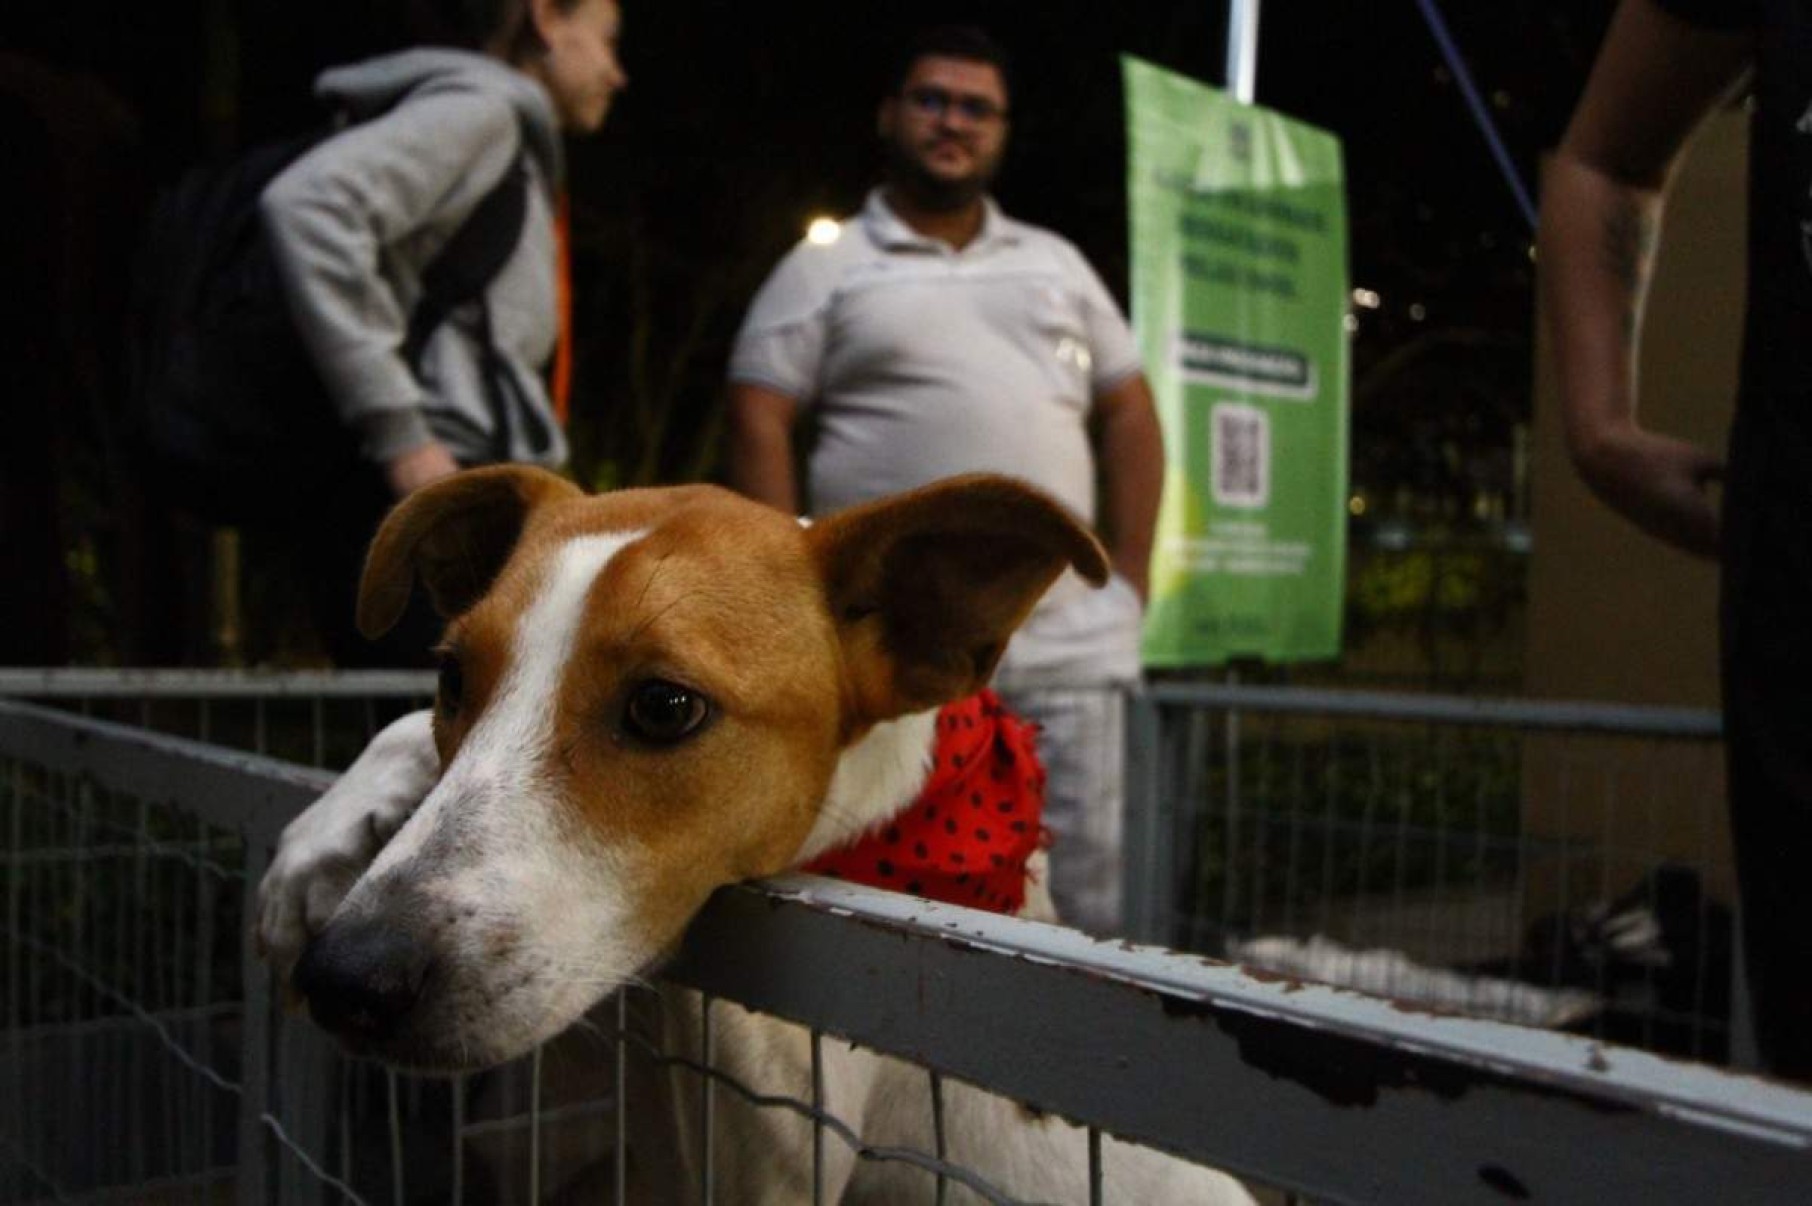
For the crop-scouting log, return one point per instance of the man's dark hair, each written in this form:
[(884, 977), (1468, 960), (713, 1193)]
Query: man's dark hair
[(969, 42)]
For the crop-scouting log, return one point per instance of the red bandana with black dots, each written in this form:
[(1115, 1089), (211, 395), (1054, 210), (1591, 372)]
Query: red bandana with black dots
[(967, 838)]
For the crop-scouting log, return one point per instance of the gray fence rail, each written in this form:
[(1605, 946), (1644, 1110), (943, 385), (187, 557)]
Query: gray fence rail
[(145, 1059), (315, 717)]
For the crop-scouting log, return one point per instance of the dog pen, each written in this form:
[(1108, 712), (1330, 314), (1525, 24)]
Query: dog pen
[(145, 1059), (1560, 864)]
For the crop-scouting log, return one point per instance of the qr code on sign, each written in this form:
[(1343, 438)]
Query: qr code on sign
[(1242, 455)]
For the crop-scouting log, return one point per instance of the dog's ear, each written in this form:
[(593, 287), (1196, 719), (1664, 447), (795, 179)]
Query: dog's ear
[(455, 533), (926, 587)]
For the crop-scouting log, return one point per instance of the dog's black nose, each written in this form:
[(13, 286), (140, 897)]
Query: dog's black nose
[(361, 979)]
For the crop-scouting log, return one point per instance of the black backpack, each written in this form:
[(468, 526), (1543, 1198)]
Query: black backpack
[(228, 412)]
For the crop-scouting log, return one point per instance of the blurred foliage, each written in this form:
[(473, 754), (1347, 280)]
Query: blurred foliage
[(1459, 605)]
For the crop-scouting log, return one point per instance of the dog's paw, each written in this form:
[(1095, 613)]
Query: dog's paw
[(304, 885), (325, 850)]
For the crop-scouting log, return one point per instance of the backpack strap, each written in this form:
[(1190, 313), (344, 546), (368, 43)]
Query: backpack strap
[(468, 262), (461, 272)]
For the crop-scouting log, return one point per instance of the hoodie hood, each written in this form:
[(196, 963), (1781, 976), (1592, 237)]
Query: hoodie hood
[(366, 89)]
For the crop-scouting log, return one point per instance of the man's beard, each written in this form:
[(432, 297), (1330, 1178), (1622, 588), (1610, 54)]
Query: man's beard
[(927, 191)]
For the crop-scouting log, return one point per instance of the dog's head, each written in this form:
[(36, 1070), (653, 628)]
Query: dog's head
[(644, 696)]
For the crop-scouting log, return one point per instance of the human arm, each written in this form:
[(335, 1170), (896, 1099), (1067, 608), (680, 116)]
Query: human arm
[(774, 369), (761, 445), (1655, 78), (1129, 450), (340, 220), (327, 847), (1123, 429)]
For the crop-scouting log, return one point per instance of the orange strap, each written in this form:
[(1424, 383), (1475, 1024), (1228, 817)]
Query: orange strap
[(560, 383)]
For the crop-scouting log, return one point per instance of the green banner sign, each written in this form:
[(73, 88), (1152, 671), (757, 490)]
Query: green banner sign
[(1239, 298)]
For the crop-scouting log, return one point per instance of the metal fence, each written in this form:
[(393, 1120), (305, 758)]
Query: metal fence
[(144, 1059), (1556, 863), (1562, 864)]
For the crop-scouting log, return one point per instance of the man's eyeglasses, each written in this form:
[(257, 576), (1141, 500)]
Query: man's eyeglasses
[(936, 102)]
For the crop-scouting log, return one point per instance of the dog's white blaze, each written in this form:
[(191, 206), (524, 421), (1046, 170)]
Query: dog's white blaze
[(560, 895), (875, 779), (497, 767), (513, 736)]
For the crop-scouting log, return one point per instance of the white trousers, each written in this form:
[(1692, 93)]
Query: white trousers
[(1082, 743)]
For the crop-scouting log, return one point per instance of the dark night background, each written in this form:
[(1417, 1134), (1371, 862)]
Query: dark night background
[(740, 122)]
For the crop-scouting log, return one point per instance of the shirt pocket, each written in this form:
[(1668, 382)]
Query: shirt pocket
[(1061, 333)]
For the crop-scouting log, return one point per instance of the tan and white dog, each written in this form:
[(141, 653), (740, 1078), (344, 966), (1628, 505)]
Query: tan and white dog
[(644, 696)]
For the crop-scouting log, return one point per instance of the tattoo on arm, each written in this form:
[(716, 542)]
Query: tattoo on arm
[(1630, 233)]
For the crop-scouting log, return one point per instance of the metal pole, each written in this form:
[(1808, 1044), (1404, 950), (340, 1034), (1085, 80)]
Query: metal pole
[(1230, 852), (1242, 49), (1148, 890)]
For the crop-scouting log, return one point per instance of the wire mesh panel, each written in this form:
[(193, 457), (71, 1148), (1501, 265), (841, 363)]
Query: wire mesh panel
[(123, 995), (144, 1057), (1550, 865), (342, 1130), (314, 718), (146, 1060)]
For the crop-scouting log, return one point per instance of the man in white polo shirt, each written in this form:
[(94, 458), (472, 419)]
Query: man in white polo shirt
[(932, 335)]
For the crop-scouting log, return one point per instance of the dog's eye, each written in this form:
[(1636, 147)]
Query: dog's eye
[(452, 685), (662, 712)]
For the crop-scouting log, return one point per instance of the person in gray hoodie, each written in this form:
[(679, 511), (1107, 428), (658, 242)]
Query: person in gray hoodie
[(354, 222)]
